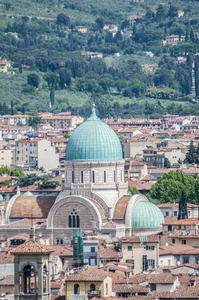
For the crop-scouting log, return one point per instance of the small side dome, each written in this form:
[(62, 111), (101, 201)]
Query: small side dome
[(1, 198), (147, 215), (27, 194)]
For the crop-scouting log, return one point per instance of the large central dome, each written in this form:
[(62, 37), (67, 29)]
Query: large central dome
[(94, 140)]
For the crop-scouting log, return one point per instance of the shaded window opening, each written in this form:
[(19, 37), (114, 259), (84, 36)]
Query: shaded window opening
[(92, 287), (76, 289), (93, 176), (82, 177), (29, 279), (73, 220)]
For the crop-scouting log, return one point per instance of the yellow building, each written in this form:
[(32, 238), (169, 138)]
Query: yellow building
[(88, 282), (3, 67)]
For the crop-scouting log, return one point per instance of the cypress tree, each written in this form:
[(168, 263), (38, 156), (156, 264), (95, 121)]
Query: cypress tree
[(197, 75)]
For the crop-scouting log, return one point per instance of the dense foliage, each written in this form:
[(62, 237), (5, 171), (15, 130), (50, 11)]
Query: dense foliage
[(173, 187), (192, 155), (48, 55)]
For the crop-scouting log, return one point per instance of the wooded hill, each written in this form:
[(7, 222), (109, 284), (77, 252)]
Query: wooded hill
[(46, 55)]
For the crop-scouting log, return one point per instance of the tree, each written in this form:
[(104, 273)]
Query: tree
[(167, 163), (65, 77), (149, 14), (18, 173), (133, 190), (197, 75), (30, 179), (182, 214), (173, 11), (161, 11), (52, 79), (63, 19), (34, 121), (33, 79), (100, 23), (191, 153), (5, 170), (169, 188)]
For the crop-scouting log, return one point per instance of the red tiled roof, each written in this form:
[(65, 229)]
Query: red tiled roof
[(6, 257), (62, 250), (109, 253), (190, 221), (162, 278), (32, 247), (176, 249), (135, 239), (120, 208), (32, 207)]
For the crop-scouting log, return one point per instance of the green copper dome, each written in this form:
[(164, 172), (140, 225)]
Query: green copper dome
[(28, 194), (93, 140), (147, 215)]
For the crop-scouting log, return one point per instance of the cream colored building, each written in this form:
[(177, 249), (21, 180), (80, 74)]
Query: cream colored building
[(135, 147), (36, 153), (177, 254), (15, 119), (62, 121), (174, 39), (7, 157), (137, 170), (141, 251), (174, 155)]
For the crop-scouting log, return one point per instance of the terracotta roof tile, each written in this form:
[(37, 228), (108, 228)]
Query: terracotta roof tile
[(32, 207), (6, 257), (62, 250), (120, 208), (32, 247), (109, 253), (162, 278)]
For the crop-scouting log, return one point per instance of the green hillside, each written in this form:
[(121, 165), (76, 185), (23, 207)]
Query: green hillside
[(46, 56)]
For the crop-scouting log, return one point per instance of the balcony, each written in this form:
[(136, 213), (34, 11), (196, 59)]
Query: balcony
[(94, 293)]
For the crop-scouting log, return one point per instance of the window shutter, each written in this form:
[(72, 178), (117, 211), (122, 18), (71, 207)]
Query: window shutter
[(153, 264)]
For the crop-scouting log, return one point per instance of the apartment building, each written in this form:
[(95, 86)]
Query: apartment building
[(63, 122), (36, 153)]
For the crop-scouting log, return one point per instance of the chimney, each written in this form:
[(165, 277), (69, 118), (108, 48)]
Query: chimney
[(32, 233)]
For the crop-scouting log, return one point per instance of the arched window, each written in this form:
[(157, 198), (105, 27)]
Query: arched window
[(114, 176), (28, 276), (78, 221), (76, 289), (106, 288), (92, 287), (69, 221), (73, 220)]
